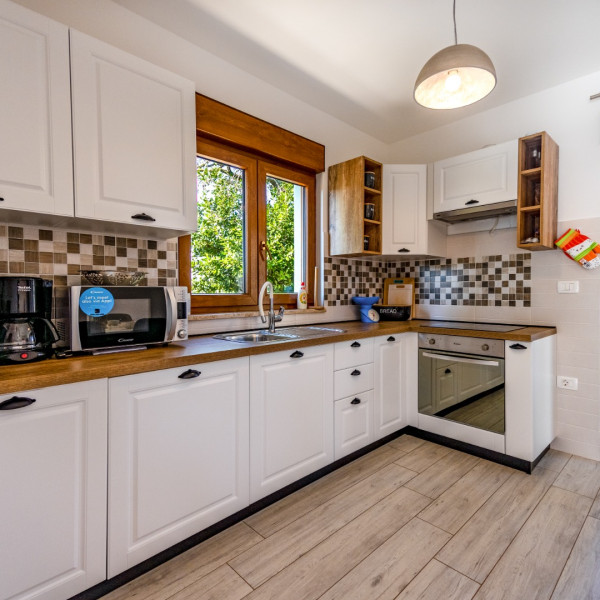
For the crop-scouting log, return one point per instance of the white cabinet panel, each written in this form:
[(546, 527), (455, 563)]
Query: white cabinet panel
[(291, 417), (406, 230), (134, 138), (53, 492), (178, 456), (36, 172), (353, 352), (389, 408), (353, 423), (482, 177), (353, 380)]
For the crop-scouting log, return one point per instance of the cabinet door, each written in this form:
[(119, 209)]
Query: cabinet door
[(178, 451), (36, 173), (291, 417), (53, 492), (353, 423), (404, 209), (389, 410), (133, 138), (482, 177)]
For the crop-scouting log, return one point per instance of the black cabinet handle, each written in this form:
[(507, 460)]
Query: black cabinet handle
[(403, 250), (472, 201), (518, 347), (297, 354), (354, 345), (143, 217), (447, 371), (16, 402), (190, 374), (355, 373), (1, 199), (391, 339), (355, 401)]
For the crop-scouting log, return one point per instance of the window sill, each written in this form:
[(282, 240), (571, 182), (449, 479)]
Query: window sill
[(254, 313)]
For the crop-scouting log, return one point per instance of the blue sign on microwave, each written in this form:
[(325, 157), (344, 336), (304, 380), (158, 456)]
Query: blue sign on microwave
[(96, 302)]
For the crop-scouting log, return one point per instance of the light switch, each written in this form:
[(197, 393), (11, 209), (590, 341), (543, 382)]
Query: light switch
[(567, 287)]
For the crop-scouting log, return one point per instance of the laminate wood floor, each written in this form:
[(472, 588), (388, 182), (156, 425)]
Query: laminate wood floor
[(411, 520)]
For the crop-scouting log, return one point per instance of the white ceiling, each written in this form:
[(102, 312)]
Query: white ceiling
[(358, 59)]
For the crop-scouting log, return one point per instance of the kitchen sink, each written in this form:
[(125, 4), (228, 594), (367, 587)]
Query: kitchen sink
[(285, 334)]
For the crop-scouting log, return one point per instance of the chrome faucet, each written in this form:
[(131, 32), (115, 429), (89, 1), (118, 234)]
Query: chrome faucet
[(272, 318)]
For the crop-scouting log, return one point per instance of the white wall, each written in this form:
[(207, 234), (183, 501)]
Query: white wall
[(569, 116)]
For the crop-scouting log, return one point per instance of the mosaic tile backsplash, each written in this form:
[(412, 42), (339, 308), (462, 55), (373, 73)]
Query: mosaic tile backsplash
[(60, 255), (499, 280)]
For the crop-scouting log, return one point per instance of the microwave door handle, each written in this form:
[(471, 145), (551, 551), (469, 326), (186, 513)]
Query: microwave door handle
[(472, 361), (171, 313)]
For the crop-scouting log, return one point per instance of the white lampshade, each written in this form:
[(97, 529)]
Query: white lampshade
[(456, 76)]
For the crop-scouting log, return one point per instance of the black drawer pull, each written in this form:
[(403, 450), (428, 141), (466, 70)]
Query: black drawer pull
[(143, 217), (472, 201), (391, 339), (518, 347), (297, 354), (355, 373), (355, 401), (16, 402), (190, 374), (403, 250), (447, 371), (354, 345), (1, 199)]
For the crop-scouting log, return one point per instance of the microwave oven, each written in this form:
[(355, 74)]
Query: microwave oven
[(109, 318)]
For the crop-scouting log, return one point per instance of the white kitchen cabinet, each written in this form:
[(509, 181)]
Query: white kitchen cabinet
[(478, 178), (291, 416), (530, 373), (389, 407), (406, 230), (133, 139), (353, 420), (36, 173), (178, 456), (53, 492)]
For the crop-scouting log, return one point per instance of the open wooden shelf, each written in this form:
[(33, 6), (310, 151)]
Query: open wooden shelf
[(350, 233), (537, 199)]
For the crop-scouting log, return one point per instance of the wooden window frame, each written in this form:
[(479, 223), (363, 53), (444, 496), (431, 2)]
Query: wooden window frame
[(228, 135)]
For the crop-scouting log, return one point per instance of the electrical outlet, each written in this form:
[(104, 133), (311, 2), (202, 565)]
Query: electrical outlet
[(566, 383), (567, 287)]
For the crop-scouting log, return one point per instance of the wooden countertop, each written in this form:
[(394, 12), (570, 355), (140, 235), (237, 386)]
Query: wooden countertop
[(200, 349)]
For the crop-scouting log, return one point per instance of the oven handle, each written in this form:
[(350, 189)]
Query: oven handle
[(472, 361)]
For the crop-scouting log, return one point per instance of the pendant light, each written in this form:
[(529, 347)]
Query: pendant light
[(456, 76)]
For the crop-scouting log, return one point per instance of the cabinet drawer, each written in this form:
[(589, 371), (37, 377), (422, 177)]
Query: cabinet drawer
[(353, 423), (353, 380), (353, 352)]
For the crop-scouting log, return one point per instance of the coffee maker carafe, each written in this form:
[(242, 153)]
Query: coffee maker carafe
[(26, 332)]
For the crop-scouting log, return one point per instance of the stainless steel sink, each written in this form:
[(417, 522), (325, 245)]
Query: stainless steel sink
[(256, 337), (285, 334)]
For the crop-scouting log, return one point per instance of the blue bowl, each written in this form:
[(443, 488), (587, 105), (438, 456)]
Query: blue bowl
[(365, 301)]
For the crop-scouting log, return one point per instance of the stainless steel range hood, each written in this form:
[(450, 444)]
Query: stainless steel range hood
[(472, 213)]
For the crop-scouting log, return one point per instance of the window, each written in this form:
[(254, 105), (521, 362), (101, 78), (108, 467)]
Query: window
[(256, 222)]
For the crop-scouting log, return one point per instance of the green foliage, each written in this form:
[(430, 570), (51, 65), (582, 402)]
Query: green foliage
[(217, 259)]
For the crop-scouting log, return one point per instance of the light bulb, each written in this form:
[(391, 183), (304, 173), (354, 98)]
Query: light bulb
[(453, 81)]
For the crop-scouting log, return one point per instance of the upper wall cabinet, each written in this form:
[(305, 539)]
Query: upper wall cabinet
[(133, 139), (479, 178), (406, 230), (35, 113)]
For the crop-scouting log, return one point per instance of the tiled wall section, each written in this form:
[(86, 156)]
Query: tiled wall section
[(499, 280), (60, 255)]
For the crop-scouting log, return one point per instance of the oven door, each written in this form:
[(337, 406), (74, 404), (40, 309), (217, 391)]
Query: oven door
[(462, 396), (113, 317)]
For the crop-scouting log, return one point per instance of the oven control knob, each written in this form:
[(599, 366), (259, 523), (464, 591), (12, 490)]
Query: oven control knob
[(431, 341), (485, 347), (181, 333)]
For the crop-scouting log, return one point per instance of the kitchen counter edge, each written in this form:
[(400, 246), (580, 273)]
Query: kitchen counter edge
[(201, 349)]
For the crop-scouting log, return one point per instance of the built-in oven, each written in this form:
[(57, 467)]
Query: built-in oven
[(461, 388)]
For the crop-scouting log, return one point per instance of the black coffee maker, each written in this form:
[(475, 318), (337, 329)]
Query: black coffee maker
[(26, 332)]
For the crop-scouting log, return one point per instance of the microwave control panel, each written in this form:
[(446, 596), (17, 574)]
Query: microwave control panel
[(182, 299)]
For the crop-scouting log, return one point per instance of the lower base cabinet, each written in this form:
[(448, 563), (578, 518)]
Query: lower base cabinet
[(353, 423), (53, 491), (178, 456), (291, 416)]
